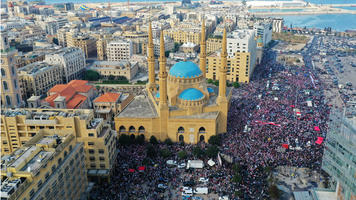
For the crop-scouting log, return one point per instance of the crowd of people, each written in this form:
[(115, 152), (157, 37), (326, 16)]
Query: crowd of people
[(269, 124)]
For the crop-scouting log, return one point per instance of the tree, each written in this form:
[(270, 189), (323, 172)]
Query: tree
[(198, 152), (210, 81), (237, 178), (298, 60), (55, 41), (215, 140), (216, 82), (150, 151), (140, 139), (274, 192), (91, 75), (153, 140), (236, 84), (168, 141), (182, 155), (111, 77), (124, 139), (165, 153), (212, 151), (237, 168), (166, 54)]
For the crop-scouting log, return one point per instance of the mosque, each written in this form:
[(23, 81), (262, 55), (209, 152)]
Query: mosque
[(181, 106)]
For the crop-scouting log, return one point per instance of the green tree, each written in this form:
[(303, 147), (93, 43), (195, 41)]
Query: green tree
[(210, 81), (212, 151), (91, 75), (236, 84), (151, 151), (216, 82), (111, 77), (55, 41), (198, 152), (182, 155), (153, 140), (168, 141), (237, 178), (215, 140), (237, 168), (167, 54), (165, 153), (274, 192), (124, 139), (140, 139)]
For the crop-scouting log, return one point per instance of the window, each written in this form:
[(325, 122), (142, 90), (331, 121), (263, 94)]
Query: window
[(91, 134), (18, 98), (101, 151), (91, 151), (8, 100), (92, 158), (39, 183), (3, 73), (4, 83), (15, 84), (101, 158), (90, 143), (32, 192), (102, 166), (92, 165)]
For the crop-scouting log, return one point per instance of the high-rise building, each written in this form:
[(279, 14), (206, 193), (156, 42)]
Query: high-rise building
[(340, 154), (168, 45), (38, 77), (10, 90), (47, 167), (20, 126), (264, 29), (241, 60), (277, 25), (118, 50), (72, 61), (213, 44)]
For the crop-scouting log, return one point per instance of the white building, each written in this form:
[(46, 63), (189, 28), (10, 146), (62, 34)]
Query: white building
[(71, 59), (118, 50), (264, 30), (277, 25), (168, 45), (52, 25)]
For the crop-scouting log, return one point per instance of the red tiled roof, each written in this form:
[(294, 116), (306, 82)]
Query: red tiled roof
[(50, 99), (76, 101), (108, 97), (58, 88), (83, 88)]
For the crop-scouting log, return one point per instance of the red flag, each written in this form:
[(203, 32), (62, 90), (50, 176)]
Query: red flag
[(319, 140), (141, 168), (316, 128), (292, 106), (286, 146), (131, 170)]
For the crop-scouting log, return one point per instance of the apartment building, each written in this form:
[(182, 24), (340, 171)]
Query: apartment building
[(241, 60), (38, 77), (183, 35), (213, 44), (168, 45), (19, 126), (118, 50), (82, 41), (72, 61), (264, 30), (47, 167), (10, 88), (101, 45), (52, 24)]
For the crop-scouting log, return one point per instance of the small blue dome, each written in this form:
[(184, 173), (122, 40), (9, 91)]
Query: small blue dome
[(210, 90), (191, 94), (259, 40), (185, 69), (157, 95)]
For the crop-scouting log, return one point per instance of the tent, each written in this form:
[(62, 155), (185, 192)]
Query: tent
[(197, 164), (211, 163)]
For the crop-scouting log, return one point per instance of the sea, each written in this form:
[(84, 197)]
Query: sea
[(339, 22)]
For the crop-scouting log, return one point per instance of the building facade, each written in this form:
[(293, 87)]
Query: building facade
[(110, 104), (37, 78), (183, 35), (213, 44), (10, 88), (82, 41), (182, 108), (168, 45), (116, 68), (99, 141), (118, 50), (264, 30), (47, 167), (72, 61)]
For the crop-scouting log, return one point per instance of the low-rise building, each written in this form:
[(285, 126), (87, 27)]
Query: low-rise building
[(116, 68), (110, 104), (98, 138), (38, 77), (189, 47), (46, 167), (77, 94)]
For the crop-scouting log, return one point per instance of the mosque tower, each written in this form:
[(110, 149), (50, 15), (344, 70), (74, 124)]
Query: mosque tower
[(203, 49), (151, 86)]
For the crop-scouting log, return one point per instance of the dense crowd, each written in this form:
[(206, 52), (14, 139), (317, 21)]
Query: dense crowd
[(262, 117)]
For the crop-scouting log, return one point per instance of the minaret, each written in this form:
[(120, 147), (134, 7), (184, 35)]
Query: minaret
[(162, 74), (203, 49), (151, 61), (222, 71)]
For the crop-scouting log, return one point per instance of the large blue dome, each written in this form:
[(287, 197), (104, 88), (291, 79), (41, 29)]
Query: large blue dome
[(185, 69), (191, 94)]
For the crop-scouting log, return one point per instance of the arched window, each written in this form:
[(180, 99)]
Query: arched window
[(3, 73), (8, 100), (132, 137), (141, 129), (4, 83), (132, 129), (181, 138), (122, 129), (15, 84), (201, 130), (180, 130), (202, 138), (13, 70)]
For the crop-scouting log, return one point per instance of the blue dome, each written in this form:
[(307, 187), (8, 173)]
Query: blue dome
[(185, 69), (210, 90), (157, 95), (191, 94)]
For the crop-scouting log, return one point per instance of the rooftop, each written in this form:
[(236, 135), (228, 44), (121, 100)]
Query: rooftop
[(140, 107), (47, 114), (35, 68), (185, 69), (108, 97)]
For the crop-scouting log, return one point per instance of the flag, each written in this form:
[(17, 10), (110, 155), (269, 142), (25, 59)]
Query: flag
[(316, 128), (286, 146), (141, 168), (131, 170), (292, 106), (319, 140)]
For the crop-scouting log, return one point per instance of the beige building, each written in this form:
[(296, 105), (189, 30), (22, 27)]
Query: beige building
[(183, 35), (118, 50), (110, 104), (10, 88), (48, 167), (168, 45), (213, 44), (83, 41), (101, 45), (116, 68), (19, 126), (37, 78), (189, 47), (28, 58)]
